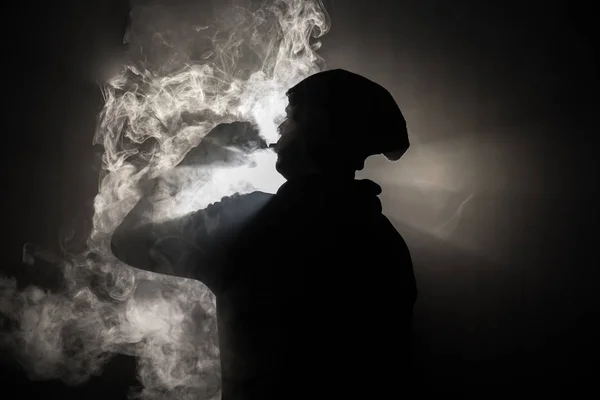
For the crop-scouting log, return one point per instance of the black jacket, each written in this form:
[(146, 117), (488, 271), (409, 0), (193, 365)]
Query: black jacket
[(314, 288)]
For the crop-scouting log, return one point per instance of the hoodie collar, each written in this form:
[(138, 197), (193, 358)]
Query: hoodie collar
[(344, 194)]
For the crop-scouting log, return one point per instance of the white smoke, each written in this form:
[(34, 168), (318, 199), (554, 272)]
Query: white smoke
[(185, 77)]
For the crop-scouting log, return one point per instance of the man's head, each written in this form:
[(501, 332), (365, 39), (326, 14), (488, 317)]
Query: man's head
[(336, 120)]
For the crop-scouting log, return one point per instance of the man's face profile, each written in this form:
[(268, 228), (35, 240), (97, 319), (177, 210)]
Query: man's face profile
[(287, 146)]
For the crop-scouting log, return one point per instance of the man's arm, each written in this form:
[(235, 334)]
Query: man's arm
[(185, 246), (170, 247), (191, 246)]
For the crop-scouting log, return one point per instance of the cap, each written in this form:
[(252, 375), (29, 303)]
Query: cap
[(358, 111)]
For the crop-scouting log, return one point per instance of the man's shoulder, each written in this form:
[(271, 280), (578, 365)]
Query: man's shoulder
[(256, 198), (224, 215), (238, 202), (372, 233), (244, 204), (251, 198)]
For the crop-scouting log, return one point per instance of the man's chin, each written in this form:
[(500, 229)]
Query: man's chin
[(281, 168)]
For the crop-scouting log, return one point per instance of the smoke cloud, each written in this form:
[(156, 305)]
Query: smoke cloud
[(189, 71)]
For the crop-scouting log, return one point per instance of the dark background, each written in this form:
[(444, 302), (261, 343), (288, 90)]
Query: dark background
[(507, 304)]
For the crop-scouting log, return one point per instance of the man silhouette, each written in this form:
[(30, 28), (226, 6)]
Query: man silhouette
[(314, 285)]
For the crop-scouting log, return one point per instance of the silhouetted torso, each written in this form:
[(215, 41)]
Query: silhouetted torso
[(314, 287), (315, 297)]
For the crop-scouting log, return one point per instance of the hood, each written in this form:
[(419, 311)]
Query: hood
[(354, 196), (363, 195)]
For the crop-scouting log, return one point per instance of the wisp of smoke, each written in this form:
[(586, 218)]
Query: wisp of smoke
[(184, 79)]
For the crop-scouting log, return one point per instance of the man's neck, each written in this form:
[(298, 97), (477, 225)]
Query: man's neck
[(330, 175), (314, 181)]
